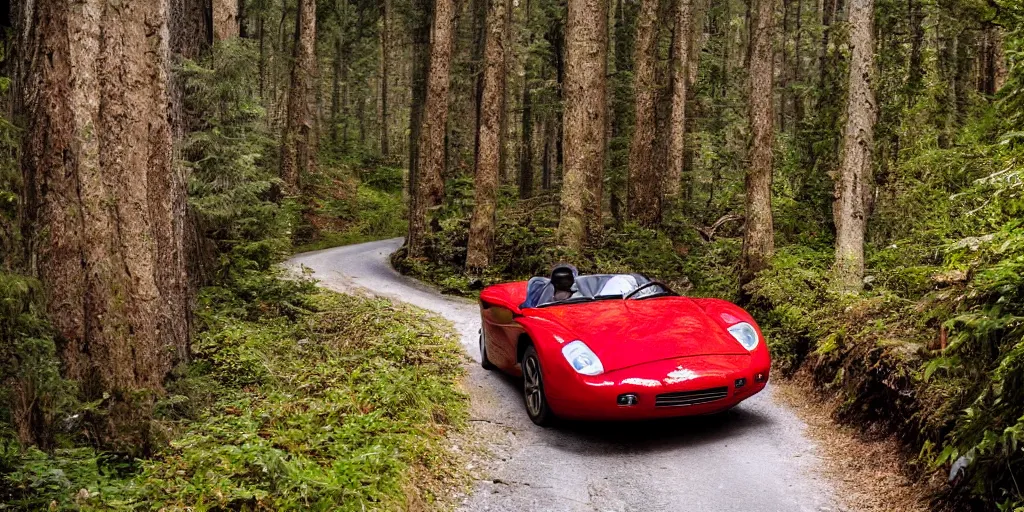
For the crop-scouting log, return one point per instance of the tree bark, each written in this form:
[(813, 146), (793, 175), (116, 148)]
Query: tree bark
[(644, 192), (966, 53), (225, 19), (853, 187), (385, 71), (759, 237), (420, 66), (298, 155), (262, 36), (336, 97), (431, 158), (693, 110), (548, 157), (680, 80), (104, 205), (190, 30), (915, 71), (526, 151), (488, 160), (584, 124)]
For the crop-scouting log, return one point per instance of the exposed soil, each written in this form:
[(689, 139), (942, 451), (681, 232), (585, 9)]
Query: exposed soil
[(870, 475)]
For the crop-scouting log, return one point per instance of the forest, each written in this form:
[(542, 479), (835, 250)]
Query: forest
[(850, 171)]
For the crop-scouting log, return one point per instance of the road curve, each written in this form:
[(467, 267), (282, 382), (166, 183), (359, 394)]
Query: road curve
[(752, 458)]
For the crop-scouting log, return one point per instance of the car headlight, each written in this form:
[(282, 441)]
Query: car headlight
[(582, 359), (745, 334)]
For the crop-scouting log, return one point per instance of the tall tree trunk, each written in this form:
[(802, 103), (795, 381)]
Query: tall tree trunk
[(644, 193), (853, 187), (798, 74), (488, 160), (966, 52), (339, 64), (680, 80), (385, 71), (585, 87), (189, 29), (104, 204), (431, 158), (915, 71), (225, 19), (420, 66), (262, 35), (548, 160), (759, 237), (693, 110), (829, 9), (243, 26), (526, 151), (505, 139), (784, 87), (297, 143)]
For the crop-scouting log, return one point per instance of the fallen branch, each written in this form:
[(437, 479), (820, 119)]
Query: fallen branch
[(708, 233)]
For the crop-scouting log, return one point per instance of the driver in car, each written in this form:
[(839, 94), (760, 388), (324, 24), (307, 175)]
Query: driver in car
[(563, 277), (561, 285)]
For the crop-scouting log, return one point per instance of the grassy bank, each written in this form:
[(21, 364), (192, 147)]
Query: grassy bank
[(298, 400)]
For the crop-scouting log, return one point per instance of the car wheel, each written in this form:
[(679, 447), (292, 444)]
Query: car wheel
[(533, 389), (486, 363)]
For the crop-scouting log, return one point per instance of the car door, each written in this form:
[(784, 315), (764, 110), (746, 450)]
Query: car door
[(499, 328)]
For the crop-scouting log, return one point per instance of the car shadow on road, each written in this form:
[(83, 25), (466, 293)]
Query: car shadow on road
[(619, 437), (657, 435)]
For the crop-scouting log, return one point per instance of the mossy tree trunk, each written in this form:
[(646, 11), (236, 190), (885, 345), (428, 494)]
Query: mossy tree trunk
[(104, 203), (385, 73), (681, 41), (298, 147), (431, 147), (225, 19), (584, 121), (854, 184), (758, 236), (488, 159), (644, 192)]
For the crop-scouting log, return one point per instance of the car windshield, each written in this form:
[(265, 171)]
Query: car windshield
[(540, 291)]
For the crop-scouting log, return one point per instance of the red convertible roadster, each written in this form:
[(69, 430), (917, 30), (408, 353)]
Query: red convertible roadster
[(617, 347)]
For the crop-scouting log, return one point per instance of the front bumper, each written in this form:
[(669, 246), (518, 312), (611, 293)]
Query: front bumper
[(596, 398)]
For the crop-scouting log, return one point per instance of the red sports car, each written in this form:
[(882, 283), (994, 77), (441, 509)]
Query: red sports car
[(616, 347)]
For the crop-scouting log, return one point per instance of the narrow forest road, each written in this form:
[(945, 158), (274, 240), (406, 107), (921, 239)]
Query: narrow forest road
[(752, 458)]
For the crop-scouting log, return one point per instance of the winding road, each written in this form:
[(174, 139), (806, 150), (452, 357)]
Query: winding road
[(752, 458)]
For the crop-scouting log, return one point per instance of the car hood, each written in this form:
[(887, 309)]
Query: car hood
[(626, 333)]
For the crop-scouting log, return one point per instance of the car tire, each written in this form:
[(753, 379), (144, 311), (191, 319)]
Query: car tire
[(534, 398), (484, 361)]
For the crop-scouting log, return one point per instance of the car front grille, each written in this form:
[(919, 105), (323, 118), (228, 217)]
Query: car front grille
[(685, 398)]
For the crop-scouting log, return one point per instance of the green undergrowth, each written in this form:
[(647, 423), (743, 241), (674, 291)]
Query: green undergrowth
[(525, 246), (351, 200), (301, 400)]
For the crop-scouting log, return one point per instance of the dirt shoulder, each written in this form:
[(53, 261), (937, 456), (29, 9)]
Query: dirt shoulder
[(871, 475)]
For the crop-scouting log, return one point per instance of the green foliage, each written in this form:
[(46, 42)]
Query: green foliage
[(33, 395), (343, 209), (525, 246), (233, 184), (346, 406)]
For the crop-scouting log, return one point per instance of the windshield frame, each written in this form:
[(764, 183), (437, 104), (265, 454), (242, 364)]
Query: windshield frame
[(582, 298)]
